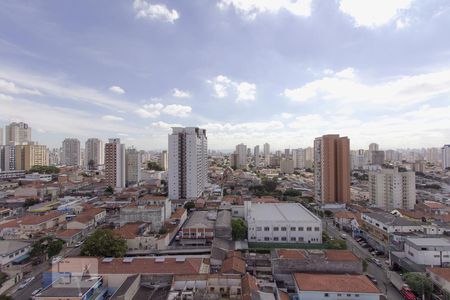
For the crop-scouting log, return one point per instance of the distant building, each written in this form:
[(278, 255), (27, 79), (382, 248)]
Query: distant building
[(95, 152), (282, 223), (163, 160), (390, 189), (266, 152), (133, 164), (298, 157), (27, 156), (7, 158), (332, 169), (188, 148), (241, 151), (1, 137), (446, 157), (71, 152), (115, 163), (287, 166), (377, 157), (257, 155), (17, 134)]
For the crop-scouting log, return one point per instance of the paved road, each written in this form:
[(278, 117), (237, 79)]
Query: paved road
[(37, 273), (379, 273)]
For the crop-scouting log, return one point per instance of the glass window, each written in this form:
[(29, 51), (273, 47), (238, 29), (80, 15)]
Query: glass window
[(293, 228), (308, 228), (283, 228), (275, 229)]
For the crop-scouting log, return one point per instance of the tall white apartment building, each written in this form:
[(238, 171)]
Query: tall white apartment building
[(94, 152), (266, 152), (1, 137), (256, 153), (241, 151), (433, 155), (163, 160), (115, 163), (298, 156), (390, 189), (309, 157), (71, 152), (133, 162), (357, 159), (446, 157), (188, 162), (7, 158), (17, 134)]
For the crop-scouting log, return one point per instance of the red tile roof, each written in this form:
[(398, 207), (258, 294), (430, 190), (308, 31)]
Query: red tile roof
[(178, 213), (129, 230), (335, 283), (68, 233), (344, 215), (434, 205), (441, 272), (290, 254), (10, 224), (340, 255), (233, 265), (39, 219)]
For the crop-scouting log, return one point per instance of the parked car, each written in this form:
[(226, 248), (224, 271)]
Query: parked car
[(26, 282), (372, 278), (35, 293), (56, 260), (78, 244), (377, 262), (343, 236)]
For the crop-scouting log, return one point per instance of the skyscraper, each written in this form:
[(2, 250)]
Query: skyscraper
[(256, 154), (332, 169), (7, 158), (115, 163), (163, 160), (241, 151), (94, 153), (71, 152), (17, 134), (298, 156), (266, 149), (188, 148), (446, 157), (1, 137), (133, 162), (377, 157), (27, 156)]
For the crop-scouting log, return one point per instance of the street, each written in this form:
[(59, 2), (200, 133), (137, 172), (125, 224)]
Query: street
[(26, 292), (379, 273)]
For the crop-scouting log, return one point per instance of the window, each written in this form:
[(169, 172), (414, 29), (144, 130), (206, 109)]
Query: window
[(275, 238), (300, 229), (308, 228), (339, 295), (293, 239), (326, 295), (293, 228), (349, 295), (356, 295), (267, 238), (275, 229), (258, 228), (283, 238), (212, 289), (316, 228), (283, 228), (266, 228)]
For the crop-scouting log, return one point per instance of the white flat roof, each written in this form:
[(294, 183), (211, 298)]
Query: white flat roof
[(281, 212), (437, 242)]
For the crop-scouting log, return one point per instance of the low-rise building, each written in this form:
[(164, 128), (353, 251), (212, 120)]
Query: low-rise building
[(222, 226), (335, 286), (74, 288), (440, 278), (138, 236), (282, 223), (13, 252), (153, 214), (199, 228)]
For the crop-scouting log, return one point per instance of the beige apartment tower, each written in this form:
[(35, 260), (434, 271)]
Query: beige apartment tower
[(115, 164), (332, 169)]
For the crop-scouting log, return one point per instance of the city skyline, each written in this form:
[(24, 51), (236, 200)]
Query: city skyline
[(320, 68)]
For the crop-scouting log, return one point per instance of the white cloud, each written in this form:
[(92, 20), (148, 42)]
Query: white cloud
[(286, 115), (151, 110), (246, 92), (177, 110), (158, 12), (117, 90), (111, 118), (347, 88), (249, 9), (9, 87), (224, 86), (181, 94), (374, 13), (164, 126)]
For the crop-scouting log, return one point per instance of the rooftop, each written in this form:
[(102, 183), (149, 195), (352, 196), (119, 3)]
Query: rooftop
[(441, 272), (284, 212), (70, 286), (199, 219), (39, 219), (436, 242), (335, 283), (390, 220), (7, 247)]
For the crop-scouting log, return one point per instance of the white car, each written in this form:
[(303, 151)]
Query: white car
[(26, 282), (36, 292), (343, 236), (78, 244), (56, 260)]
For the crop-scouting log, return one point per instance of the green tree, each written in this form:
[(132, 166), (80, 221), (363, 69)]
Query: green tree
[(162, 230), (151, 165), (238, 229), (109, 190), (46, 246), (365, 265), (44, 170), (55, 247), (270, 185), (5, 297), (292, 193), (189, 205), (30, 202), (419, 283), (103, 242), (328, 213)]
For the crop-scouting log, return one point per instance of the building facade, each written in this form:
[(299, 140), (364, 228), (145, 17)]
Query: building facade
[(188, 162), (94, 153), (71, 152), (115, 163), (446, 157), (332, 169), (133, 162), (17, 134)]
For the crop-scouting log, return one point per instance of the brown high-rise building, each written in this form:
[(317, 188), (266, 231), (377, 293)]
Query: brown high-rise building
[(115, 164), (332, 169)]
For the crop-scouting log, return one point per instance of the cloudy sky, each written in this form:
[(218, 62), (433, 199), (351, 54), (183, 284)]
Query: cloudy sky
[(251, 71)]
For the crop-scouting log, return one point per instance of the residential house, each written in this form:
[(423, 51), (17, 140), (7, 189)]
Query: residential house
[(13, 252)]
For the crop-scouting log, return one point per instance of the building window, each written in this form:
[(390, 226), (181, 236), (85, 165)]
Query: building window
[(326, 295), (275, 229), (300, 229), (283, 228), (267, 239), (283, 238), (293, 228), (316, 228), (293, 239), (266, 228), (275, 238), (308, 228), (258, 228)]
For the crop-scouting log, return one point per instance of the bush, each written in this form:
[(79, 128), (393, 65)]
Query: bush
[(238, 229), (103, 242), (419, 283)]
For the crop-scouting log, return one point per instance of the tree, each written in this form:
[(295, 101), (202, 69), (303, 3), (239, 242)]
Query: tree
[(270, 185), (419, 283), (292, 193), (5, 297), (109, 190), (103, 242), (46, 246), (162, 230), (328, 213), (238, 229), (55, 247), (30, 202), (44, 170), (189, 205), (151, 165)]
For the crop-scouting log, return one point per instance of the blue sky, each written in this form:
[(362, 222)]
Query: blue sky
[(250, 71)]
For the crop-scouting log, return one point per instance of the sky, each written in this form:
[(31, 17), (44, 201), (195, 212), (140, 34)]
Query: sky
[(248, 71)]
